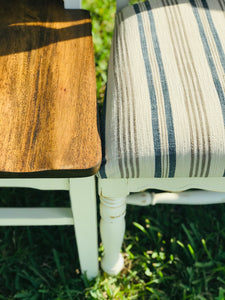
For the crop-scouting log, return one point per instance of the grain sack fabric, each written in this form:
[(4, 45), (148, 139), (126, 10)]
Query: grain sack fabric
[(165, 99)]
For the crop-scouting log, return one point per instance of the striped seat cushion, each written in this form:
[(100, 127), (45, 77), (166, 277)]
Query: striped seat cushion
[(165, 100)]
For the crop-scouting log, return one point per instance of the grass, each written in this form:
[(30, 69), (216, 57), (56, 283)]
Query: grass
[(102, 14), (171, 252)]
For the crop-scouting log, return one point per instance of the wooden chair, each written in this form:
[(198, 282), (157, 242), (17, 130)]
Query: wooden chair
[(48, 115), (164, 124)]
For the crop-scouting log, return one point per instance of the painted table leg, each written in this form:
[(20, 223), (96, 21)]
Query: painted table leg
[(83, 202), (112, 228)]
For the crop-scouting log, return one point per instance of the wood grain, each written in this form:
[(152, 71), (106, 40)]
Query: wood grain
[(48, 110)]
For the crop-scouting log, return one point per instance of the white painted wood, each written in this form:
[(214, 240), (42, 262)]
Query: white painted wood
[(115, 192), (83, 203), (122, 187), (35, 216), (82, 214), (120, 4), (112, 228), (113, 188), (37, 183), (188, 198), (72, 4), (177, 184), (140, 199)]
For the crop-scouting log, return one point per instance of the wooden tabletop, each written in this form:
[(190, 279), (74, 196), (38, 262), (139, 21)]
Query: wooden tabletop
[(48, 110)]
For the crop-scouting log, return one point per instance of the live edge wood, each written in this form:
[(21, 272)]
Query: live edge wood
[(48, 110)]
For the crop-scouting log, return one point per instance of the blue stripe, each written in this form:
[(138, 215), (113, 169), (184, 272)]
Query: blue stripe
[(151, 88), (215, 34), (168, 110), (209, 57)]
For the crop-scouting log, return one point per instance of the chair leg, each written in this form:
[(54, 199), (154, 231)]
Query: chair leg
[(83, 203), (112, 228)]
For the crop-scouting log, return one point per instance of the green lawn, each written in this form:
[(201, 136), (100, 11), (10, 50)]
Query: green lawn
[(171, 252)]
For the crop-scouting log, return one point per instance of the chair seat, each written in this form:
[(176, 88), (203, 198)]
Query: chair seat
[(48, 113), (165, 100)]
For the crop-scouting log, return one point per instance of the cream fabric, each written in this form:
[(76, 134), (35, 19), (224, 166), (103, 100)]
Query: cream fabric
[(165, 101)]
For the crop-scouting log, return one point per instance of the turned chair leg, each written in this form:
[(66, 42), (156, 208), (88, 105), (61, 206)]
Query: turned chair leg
[(112, 228), (83, 203)]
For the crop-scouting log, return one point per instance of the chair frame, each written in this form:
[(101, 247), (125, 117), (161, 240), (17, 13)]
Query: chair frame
[(115, 194), (82, 213)]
